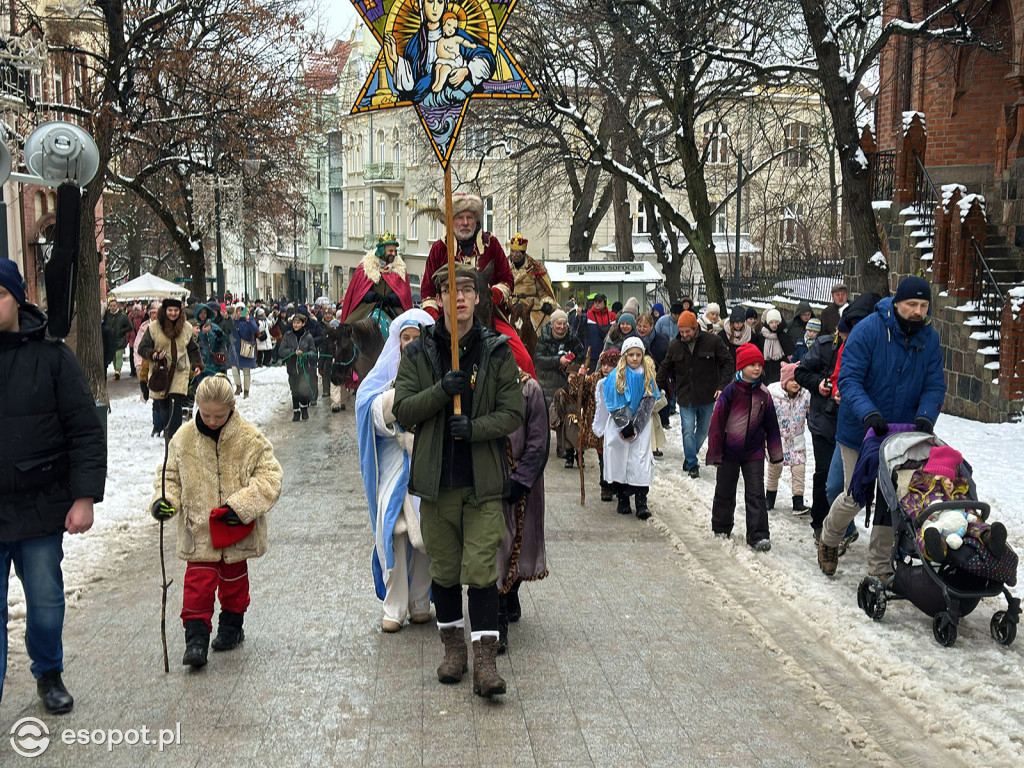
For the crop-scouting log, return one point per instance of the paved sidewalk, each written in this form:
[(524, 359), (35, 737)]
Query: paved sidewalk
[(623, 657)]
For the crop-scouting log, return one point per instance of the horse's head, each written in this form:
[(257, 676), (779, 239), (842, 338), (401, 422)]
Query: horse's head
[(485, 309)]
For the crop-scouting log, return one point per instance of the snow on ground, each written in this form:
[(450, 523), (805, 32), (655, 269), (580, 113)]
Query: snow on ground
[(133, 463), (971, 696)]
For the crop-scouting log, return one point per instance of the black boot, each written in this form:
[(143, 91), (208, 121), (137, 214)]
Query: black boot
[(570, 454), (305, 412), (515, 610), (623, 507), (197, 642), (606, 492), (55, 696), (296, 414), (229, 631), (642, 512), (770, 497), (502, 624), (799, 508)]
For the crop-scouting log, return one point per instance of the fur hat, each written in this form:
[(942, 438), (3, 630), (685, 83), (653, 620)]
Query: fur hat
[(748, 354), (677, 307), (943, 460), (609, 357), (471, 203), (169, 302), (788, 373), (687, 320), (11, 279)]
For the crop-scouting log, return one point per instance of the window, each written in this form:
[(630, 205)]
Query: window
[(790, 223), (642, 227), (380, 147), (396, 154), (488, 222), (414, 228), (382, 216), (78, 74), (352, 217), (476, 140), (58, 85), (721, 226), (398, 218), (716, 139), (798, 139), (361, 221)]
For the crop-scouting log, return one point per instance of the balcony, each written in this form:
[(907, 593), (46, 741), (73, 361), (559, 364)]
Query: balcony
[(336, 178), (384, 174)]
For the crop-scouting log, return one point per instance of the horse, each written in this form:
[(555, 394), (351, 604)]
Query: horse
[(522, 321), (355, 347)]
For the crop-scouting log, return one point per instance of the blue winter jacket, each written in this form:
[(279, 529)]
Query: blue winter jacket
[(884, 371)]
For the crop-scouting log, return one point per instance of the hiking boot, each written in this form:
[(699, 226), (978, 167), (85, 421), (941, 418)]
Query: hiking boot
[(606, 493), (197, 644), (623, 507), (229, 631), (799, 508), (569, 456), (486, 680), (296, 414), (847, 541), (828, 558), (770, 497), (55, 696), (762, 545), (694, 472), (456, 655), (642, 511), (305, 412)]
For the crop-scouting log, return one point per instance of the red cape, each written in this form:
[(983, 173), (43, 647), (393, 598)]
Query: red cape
[(360, 284), (518, 348)]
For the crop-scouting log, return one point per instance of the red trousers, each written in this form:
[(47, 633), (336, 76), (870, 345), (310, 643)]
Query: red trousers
[(229, 582)]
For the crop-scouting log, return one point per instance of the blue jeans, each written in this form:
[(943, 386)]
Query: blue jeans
[(834, 484), (696, 422), (37, 564)]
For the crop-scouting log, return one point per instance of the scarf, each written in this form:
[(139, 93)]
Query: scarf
[(772, 347), (744, 336), (635, 386)]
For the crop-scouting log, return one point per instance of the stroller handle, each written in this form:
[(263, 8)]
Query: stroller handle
[(981, 506)]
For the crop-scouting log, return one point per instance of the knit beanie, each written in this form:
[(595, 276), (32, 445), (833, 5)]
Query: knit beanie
[(814, 324), (943, 460), (788, 373), (559, 314), (748, 354), (737, 315), (687, 320), (912, 287), (10, 278), (626, 317), (772, 315), (712, 309), (751, 313)]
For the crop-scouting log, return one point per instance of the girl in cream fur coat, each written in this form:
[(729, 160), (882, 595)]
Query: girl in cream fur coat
[(221, 475)]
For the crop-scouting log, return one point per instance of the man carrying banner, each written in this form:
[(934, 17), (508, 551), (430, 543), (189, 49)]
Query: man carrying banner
[(479, 250)]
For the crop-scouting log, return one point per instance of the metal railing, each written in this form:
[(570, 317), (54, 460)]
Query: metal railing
[(883, 171), (926, 197), (383, 172), (986, 293)]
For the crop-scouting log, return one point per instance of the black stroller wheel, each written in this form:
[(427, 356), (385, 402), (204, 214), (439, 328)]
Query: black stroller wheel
[(1003, 630), (871, 597), (944, 630)]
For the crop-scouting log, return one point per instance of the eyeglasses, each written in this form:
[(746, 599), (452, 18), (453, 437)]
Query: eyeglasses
[(464, 290)]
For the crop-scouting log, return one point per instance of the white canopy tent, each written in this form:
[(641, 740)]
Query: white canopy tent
[(148, 286)]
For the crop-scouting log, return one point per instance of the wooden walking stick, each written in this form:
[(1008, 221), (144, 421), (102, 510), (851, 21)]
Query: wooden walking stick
[(579, 431), (164, 583)]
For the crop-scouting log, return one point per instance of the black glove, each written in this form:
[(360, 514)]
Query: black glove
[(921, 424), (392, 300), (876, 422), (547, 309), (455, 383), (627, 432), (461, 427), (516, 491), (162, 510), (371, 297), (230, 517)]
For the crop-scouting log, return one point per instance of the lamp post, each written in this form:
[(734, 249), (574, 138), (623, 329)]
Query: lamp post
[(299, 287)]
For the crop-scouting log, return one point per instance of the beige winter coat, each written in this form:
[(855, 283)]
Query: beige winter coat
[(182, 372), (238, 471)]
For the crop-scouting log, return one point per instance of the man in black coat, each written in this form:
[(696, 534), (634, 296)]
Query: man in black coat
[(697, 367), (53, 467)]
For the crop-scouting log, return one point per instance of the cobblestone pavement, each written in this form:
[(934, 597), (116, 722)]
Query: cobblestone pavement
[(626, 655)]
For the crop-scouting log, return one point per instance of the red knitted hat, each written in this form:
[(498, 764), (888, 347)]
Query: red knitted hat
[(943, 460), (748, 354)]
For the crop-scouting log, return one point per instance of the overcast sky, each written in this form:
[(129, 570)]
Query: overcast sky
[(339, 17)]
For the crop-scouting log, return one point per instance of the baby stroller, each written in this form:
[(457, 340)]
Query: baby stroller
[(946, 592)]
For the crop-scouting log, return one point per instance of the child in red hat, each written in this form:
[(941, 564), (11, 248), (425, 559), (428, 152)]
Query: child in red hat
[(221, 473), (742, 424)]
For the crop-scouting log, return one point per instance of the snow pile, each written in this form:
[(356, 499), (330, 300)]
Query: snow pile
[(908, 118), (965, 205), (878, 261), (947, 193), (1016, 295)]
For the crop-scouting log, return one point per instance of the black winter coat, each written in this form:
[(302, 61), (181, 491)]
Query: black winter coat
[(696, 376), (548, 352), (53, 450), (818, 363)]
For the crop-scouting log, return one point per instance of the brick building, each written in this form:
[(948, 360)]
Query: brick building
[(949, 129)]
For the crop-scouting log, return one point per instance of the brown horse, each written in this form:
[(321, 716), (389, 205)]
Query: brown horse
[(355, 348), (523, 323)]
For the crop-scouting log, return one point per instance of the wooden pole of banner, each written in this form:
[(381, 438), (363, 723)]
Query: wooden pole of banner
[(453, 328)]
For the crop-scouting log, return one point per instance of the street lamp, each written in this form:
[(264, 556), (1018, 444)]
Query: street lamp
[(311, 215)]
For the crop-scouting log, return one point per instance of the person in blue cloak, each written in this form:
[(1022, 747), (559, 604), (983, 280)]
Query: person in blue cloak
[(401, 567), (413, 71)]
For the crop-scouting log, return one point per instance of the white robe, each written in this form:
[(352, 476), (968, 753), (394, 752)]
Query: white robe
[(625, 461)]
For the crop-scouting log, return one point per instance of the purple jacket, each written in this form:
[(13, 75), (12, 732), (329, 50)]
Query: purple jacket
[(743, 422)]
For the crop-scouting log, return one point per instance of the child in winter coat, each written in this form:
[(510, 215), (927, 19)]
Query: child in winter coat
[(742, 424), (625, 404), (792, 403), (295, 345), (222, 476), (591, 385), (811, 331)]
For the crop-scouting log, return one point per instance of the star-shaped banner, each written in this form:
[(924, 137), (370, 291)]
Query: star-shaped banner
[(435, 56)]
